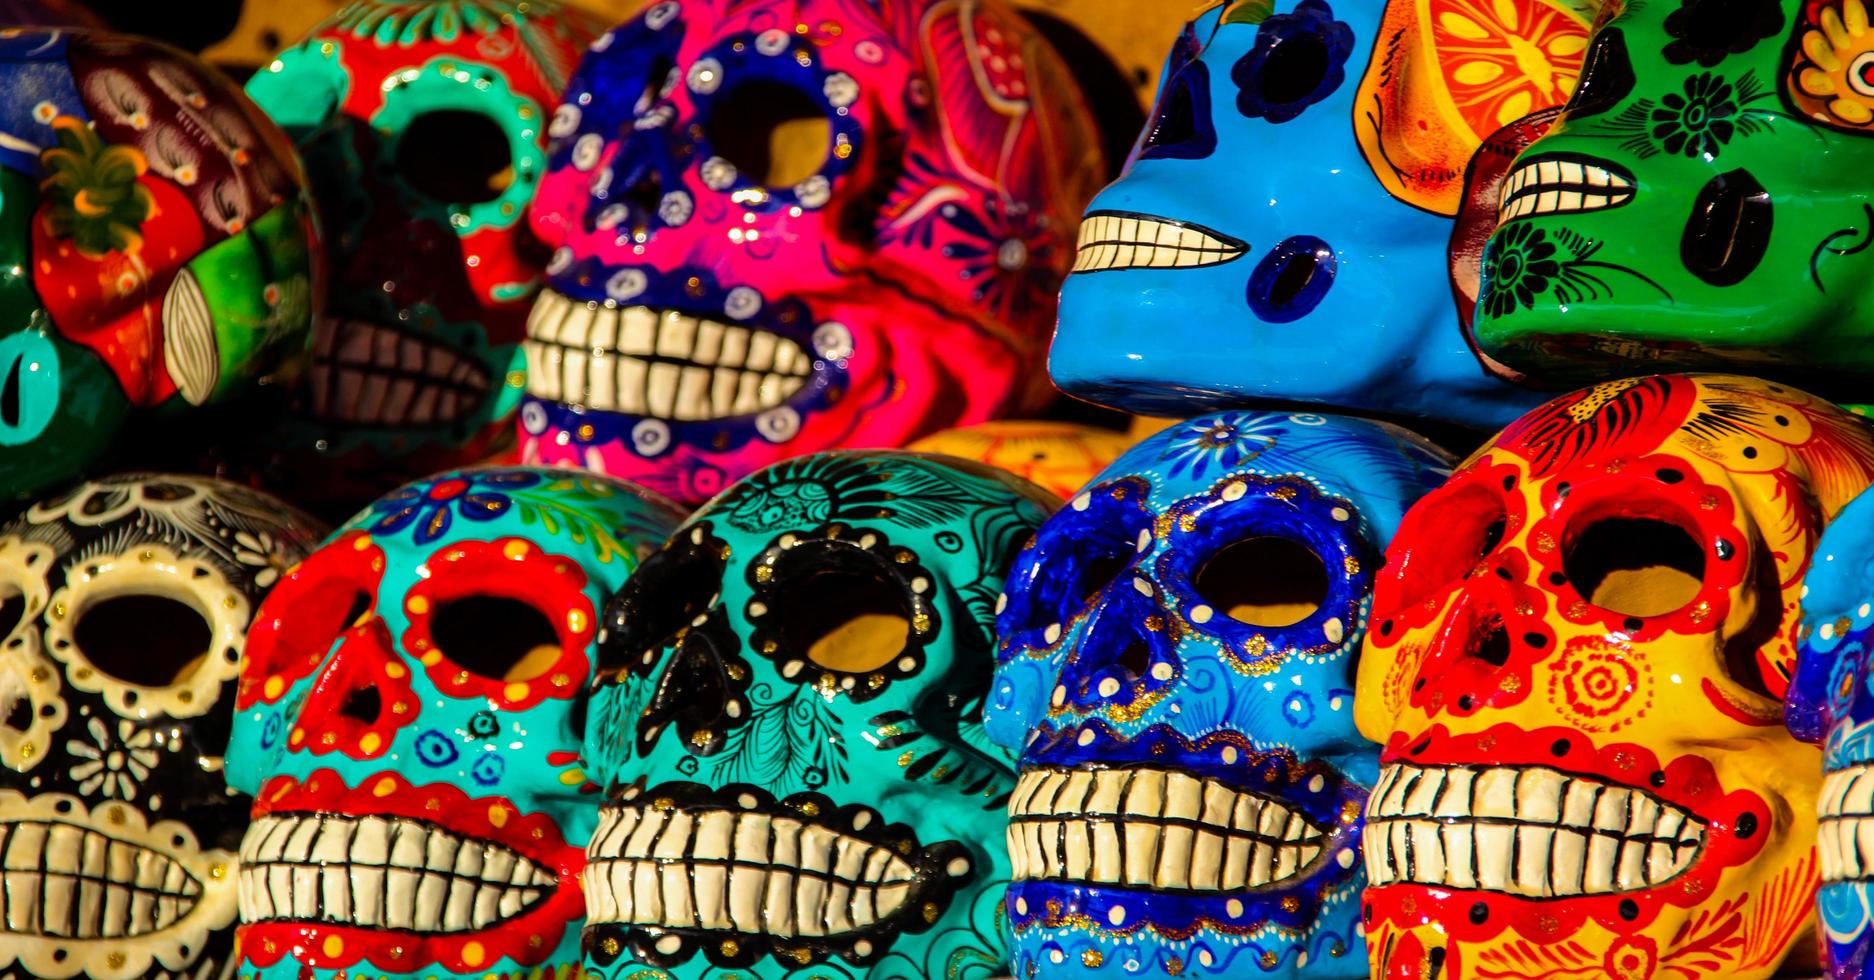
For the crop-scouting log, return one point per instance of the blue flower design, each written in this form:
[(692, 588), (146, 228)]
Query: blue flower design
[(1299, 59), (429, 505), (1228, 440), (434, 748), (487, 770)]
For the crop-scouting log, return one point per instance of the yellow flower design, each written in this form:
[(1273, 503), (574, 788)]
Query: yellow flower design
[(1834, 72)]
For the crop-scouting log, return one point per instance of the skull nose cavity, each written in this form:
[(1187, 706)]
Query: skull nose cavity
[(1729, 229), (1292, 279), (19, 716), (362, 704), (1492, 643)]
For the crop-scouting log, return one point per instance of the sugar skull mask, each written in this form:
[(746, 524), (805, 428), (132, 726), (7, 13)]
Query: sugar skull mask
[(1700, 203), (161, 249), (408, 723), (1174, 672), (1580, 643), (423, 124), (788, 227), (124, 605), (787, 719), (1259, 247)]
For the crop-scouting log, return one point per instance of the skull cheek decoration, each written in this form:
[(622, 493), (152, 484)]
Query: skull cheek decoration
[(1579, 647), (782, 228), (125, 604), (408, 725), (1700, 203), (172, 255), (423, 126), (1334, 259), (787, 719), (1174, 672)]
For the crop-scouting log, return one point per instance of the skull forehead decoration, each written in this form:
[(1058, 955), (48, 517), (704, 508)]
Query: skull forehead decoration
[(171, 249), (1701, 201), (423, 124), (124, 606), (1251, 203), (787, 721), (1579, 647), (408, 722), (1174, 672), (1831, 701), (785, 227)]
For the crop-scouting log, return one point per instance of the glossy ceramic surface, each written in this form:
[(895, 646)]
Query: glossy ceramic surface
[(1059, 457), (412, 699), (1190, 777), (1579, 651), (423, 125), (127, 605), (793, 686), (789, 227), (1280, 233), (158, 248)]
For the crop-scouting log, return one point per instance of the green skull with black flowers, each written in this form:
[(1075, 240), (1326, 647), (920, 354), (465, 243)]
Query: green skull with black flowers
[(1704, 202), (787, 721)]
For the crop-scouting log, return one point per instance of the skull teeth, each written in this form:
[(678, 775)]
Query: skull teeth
[(1523, 830), (755, 873), (365, 374), (378, 872), (1846, 839), (58, 879), (661, 364), (1554, 185), (1123, 240), (1154, 828)]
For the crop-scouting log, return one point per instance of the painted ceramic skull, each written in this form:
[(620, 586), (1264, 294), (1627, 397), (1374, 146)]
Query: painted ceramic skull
[(1280, 231), (787, 721), (124, 604), (409, 723), (1175, 673), (1701, 204), (423, 124), (1579, 648), (1059, 457), (1831, 702), (160, 250), (784, 227)]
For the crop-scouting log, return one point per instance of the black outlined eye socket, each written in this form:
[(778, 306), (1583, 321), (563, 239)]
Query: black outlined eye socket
[(454, 156), (773, 133), (1263, 581), (1299, 60)]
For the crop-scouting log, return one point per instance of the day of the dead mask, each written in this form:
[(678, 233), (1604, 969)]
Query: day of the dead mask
[(423, 125), (159, 250), (1059, 457), (1701, 204), (1280, 232), (1175, 674), (1579, 648), (1831, 702), (784, 227), (409, 721), (124, 604), (787, 721)]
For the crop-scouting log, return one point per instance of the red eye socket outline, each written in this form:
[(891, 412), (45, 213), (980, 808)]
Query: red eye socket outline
[(331, 591)]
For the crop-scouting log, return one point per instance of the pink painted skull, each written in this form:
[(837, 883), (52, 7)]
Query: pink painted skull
[(783, 226)]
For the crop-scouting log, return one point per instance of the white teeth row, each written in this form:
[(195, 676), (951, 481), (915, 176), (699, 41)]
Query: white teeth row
[(1846, 808), (60, 880), (382, 873), (638, 361), (1153, 828), (1561, 187), (364, 374), (725, 869), (1112, 241), (1527, 831)]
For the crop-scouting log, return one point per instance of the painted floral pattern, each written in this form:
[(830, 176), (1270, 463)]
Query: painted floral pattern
[(432, 507), (112, 765)]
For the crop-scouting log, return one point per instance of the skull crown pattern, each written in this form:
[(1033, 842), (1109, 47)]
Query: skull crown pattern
[(1174, 674), (126, 603), (787, 722), (408, 723)]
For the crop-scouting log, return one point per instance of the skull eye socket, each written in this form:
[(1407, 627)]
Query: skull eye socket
[(773, 133), (843, 619), (666, 594), (495, 637), (144, 639), (1181, 126), (12, 608), (332, 591), (1634, 566), (1606, 76), (455, 156), (1449, 533), (1264, 581)]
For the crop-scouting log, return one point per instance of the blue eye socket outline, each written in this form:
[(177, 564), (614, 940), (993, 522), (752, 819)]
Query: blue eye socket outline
[(1299, 60), (1181, 127)]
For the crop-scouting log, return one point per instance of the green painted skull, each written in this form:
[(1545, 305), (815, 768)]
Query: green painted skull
[(787, 720), (1702, 204)]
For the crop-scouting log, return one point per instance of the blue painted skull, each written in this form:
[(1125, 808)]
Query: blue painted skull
[(1175, 671)]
